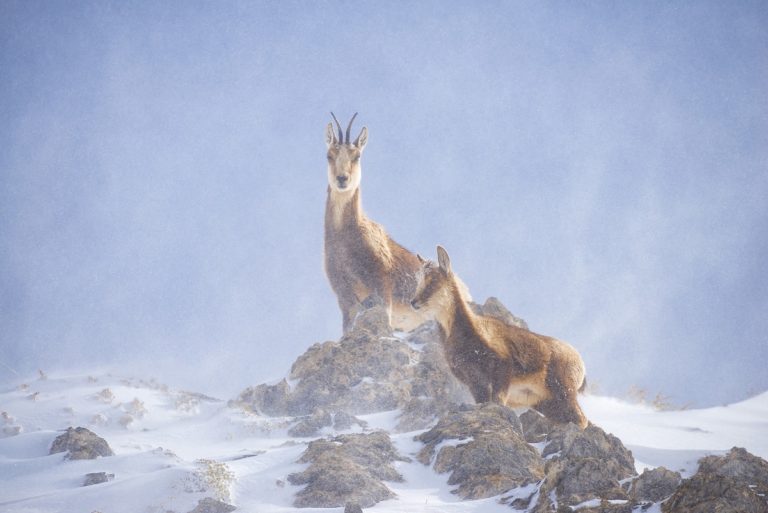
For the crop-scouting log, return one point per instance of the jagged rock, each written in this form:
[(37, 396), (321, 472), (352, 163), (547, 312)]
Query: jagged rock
[(705, 493), (736, 482), (97, 478), (490, 455), (209, 505), (267, 399), (368, 370), (347, 469), (584, 465), (494, 308), (309, 426), (536, 426), (654, 485), (80, 444), (741, 466), (567, 441)]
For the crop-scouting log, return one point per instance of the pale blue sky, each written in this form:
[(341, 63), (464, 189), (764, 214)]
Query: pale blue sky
[(600, 167)]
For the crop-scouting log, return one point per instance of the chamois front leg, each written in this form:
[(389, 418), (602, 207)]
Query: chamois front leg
[(349, 307)]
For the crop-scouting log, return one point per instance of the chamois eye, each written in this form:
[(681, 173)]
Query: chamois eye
[(356, 158)]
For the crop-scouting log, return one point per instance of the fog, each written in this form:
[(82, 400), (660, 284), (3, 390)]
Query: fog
[(601, 168)]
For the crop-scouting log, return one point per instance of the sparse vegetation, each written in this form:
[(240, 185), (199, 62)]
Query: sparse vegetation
[(105, 396), (136, 408), (660, 402), (216, 477), (186, 402)]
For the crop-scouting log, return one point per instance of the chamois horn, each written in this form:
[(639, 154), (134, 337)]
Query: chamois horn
[(341, 136), (349, 127)]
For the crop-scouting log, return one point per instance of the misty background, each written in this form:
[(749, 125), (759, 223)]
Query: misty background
[(600, 167)]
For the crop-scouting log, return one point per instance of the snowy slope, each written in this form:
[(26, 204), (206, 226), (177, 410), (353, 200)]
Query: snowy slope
[(173, 448)]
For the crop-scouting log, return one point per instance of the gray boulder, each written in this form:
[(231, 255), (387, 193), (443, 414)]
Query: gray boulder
[(654, 485), (97, 478), (81, 444), (736, 482), (489, 455), (347, 469), (706, 493), (741, 466)]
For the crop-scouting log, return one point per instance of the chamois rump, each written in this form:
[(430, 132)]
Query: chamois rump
[(361, 260), (499, 362)]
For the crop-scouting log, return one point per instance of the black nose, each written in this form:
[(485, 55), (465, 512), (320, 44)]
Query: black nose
[(342, 180)]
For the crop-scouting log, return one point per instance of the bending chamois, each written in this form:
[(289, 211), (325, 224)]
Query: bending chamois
[(361, 260), (497, 361)]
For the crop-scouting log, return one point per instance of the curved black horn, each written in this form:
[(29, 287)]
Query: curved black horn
[(349, 127), (341, 137)]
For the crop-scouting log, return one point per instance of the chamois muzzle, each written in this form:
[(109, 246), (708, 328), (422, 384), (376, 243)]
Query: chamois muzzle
[(342, 181)]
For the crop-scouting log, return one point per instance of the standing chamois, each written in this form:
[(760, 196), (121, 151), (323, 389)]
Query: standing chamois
[(361, 260), (499, 362)]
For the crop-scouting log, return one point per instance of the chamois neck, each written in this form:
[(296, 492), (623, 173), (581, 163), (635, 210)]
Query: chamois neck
[(343, 205), (453, 310)]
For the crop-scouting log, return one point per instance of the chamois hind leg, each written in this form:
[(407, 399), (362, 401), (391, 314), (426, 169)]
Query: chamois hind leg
[(563, 410), (562, 405), (348, 313)]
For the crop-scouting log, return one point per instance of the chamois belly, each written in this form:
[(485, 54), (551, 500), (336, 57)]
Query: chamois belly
[(525, 391)]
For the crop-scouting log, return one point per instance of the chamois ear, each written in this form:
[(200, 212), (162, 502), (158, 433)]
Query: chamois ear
[(362, 139), (443, 260), (421, 259), (330, 136)]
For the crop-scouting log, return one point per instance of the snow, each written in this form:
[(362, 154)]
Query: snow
[(678, 439), (173, 448)]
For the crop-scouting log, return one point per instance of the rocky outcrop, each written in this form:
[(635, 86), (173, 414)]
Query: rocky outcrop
[(348, 469), (483, 449), (654, 485), (80, 444), (368, 370), (736, 482), (740, 466)]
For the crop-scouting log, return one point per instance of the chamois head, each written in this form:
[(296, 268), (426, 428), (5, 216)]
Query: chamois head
[(344, 157), (434, 283)]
